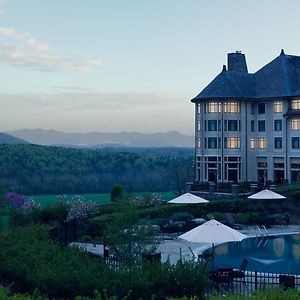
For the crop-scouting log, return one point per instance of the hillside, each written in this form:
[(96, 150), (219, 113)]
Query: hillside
[(98, 139), (34, 169), (9, 139)]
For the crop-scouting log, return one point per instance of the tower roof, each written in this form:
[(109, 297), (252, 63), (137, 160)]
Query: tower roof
[(279, 78)]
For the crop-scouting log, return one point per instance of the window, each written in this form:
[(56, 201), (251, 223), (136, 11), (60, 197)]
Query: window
[(199, 108), (213, 107), (278, 165), (261, 108), (233, 143), (219, 125), (262, 143), (252, 143), (212, 125), (277, 125), (252, 126), (278, 106), (253, 108), (232, 125), (199, 125), (295, 124), (212, 143), (232, 107), (199, 143), (296, 104), (295, 143), (261, 125), (278, 143)]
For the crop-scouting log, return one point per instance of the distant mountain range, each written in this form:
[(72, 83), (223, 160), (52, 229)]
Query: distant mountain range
[(97, 139), (9, 139)]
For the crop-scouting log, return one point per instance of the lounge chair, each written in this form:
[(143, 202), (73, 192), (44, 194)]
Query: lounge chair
[(230, 221), (240, 273)]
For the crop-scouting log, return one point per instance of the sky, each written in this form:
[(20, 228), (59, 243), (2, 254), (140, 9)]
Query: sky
[(128, 65)]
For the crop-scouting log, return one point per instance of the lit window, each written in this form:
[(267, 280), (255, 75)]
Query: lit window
[(278, 106), (198, 108), (199, 125), (295, 124), (295, 143), (296, 104), (213, 107), (262, 143), (252, 143), (233, 143), (261, 108), (277, 125), (199, 143), (278, 143), (232, 107)]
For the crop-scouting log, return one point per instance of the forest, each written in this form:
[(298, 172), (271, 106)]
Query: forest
[(33, 169)]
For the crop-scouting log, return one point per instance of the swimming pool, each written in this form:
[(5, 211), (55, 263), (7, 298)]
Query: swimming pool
[(273, 254)]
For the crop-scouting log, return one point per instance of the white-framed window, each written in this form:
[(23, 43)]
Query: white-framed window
[(295, 124), (278, 106), (252, 143), (232, 107), (262, 143), (199, 108), (199, 143), (296, 104), (213, 107), (233, 143), (199, 125)]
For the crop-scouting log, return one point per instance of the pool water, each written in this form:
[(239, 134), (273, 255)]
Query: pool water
[(274, 254)]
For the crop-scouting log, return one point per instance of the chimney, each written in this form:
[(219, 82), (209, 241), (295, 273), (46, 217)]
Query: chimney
[(237, 62)]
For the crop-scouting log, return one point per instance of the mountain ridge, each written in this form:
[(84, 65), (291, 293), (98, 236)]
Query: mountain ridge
[(101, 139), (10, 139)]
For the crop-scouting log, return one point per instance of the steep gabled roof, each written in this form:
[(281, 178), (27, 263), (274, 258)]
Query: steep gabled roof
[(229, 84), (279, 78)]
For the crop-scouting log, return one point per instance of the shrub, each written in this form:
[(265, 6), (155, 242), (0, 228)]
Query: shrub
[(117, 193), (31, 262)]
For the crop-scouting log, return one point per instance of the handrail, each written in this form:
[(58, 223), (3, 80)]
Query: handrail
[(264, 227), (259, 230)]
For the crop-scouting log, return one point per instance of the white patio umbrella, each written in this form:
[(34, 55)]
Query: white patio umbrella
[(266, 195), (213, 232), (187, 198)]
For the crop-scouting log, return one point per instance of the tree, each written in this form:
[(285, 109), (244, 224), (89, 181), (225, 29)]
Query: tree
[(127, 237), (117, 193)]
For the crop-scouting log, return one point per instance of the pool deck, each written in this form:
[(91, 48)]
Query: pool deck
[(173, 248)]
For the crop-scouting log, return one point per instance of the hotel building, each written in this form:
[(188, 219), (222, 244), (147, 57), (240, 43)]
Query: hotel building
[(247, 125)]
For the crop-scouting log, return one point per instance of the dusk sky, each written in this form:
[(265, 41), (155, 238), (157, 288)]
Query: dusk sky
[(128, 65)]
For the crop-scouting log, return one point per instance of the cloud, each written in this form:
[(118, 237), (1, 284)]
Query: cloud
[(16, 57), (84, 112), (36, 45), (95, 62), (43, 58), (11, 32)]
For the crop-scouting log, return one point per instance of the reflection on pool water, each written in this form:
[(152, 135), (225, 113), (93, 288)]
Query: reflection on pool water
[(274, 254)]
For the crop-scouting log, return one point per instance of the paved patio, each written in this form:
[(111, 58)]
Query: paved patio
[(173, 248)]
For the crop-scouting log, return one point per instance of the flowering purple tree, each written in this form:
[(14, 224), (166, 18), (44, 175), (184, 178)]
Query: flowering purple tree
[(15, 201)]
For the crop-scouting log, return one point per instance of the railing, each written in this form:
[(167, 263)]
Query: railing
[(248, 282)]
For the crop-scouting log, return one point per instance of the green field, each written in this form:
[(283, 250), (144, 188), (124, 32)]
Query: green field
[(103, 198)]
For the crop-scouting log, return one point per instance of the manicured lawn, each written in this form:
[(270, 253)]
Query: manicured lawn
[(98, 198)]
